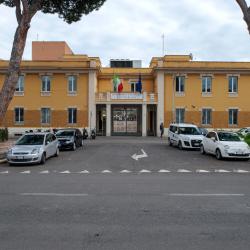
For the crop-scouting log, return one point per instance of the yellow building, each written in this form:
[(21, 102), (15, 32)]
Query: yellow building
[(60, 89)]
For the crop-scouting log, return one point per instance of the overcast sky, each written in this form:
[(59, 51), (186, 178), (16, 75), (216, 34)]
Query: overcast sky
[(210, 30)]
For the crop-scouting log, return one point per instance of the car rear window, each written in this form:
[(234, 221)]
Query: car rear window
[(65, 133)]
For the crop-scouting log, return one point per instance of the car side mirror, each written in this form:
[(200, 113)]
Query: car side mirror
[(47, 142)]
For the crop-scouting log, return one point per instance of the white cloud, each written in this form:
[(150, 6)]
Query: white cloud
[(211, 30)]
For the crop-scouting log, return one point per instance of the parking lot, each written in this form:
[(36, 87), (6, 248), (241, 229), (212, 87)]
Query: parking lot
[(114, 155)]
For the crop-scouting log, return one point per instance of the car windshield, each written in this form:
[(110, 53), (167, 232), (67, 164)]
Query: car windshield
[(65, 133), (189, 131), (31, 140), (228, 136)]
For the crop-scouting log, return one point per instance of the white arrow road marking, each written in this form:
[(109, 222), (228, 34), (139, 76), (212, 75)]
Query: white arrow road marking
[(25, 172), (221, 171), (44, 172), (65, 172), (84, 172), (241, 171), (4, 172), (145, 171), (183, 171), (143, 155), (164, 171), (125, 171), (202, 171), (106, 172)]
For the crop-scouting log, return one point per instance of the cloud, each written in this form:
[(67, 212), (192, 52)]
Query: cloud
[(211, 30)]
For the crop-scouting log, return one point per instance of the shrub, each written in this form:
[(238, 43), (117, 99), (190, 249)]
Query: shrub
[(4, 134), (247, 138)]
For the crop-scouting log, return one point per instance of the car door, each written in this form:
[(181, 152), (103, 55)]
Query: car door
[(213, 141), (54, 144), (48, 145), (174, 135), (207, 142)]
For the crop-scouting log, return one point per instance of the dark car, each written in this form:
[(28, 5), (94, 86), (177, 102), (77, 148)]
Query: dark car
[(69, 138)]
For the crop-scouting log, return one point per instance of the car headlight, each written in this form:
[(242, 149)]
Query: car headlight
[(35, 151)]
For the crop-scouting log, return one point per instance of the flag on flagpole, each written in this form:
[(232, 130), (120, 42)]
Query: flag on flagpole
[(117, 83), (139, 85)]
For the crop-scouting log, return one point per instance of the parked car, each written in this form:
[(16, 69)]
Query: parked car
[(225, 144), (244, 131), (184, 135), (203, 131), (33, 148), (69, 138)]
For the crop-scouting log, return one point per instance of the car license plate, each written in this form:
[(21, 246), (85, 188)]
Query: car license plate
[(197, 144), (19, 157)]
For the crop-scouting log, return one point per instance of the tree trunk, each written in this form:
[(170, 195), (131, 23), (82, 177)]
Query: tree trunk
[(246, 12), (13, 71)]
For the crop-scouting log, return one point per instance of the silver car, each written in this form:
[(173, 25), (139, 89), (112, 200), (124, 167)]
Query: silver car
[(33, 148)]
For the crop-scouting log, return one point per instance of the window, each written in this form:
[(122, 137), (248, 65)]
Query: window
[(45, 115), (133, 86), (19, 115), (45, 83), (206, 116), (233, 84), (180, 84), (72, 84), (20, 84), (233, 116), (72, 115), (206, 84), (180, 115)]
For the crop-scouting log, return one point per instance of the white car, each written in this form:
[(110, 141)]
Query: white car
[(243, 131), (225, 144), (33, 148), (184, 135)]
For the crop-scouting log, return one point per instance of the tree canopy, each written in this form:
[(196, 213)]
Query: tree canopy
[(69, 10)]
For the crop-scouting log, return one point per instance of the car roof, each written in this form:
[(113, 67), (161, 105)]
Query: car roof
[(37, 133), (70, 129), (183, 125)]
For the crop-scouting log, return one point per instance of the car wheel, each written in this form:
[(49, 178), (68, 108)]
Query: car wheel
[(203, 150), (218, 154), (169, 142), (57, 152), (74, 146), (43, 159), (180, 145)]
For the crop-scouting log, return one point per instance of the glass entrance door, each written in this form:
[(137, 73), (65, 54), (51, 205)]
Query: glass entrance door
[(126, 120)]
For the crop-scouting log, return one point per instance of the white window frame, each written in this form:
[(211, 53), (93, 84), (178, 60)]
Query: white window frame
[(71, 115), (72, 84), (47, 118), (204, 80), (233, 91), (178, 115), (18, 121), (204, 112), (19, 91), (47, 87), (231, 118)]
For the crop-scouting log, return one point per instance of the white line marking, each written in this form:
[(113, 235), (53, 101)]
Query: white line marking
[(44, 172), (65, 172), (240, 171), (106, 171), (222, 171), (202, 171), (25, 172), (183, 171), (164, 171), (125, 171), (205, 195), (52, 194), (84, 172), (4, 172), (145, 171)]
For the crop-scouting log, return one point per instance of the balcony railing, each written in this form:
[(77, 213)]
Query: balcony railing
[(130, 96)]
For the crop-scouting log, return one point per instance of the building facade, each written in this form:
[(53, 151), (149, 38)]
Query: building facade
[(59, 89)]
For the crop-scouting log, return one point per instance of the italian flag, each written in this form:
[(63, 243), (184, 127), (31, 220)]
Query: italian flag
[(118, 86)]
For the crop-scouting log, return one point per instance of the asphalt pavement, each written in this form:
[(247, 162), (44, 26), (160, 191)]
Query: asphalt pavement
[(99, 197)]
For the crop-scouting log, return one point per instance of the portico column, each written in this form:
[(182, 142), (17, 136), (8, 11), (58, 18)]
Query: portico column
[(160, 106), (144, 119), (108, 119), (91, 102)]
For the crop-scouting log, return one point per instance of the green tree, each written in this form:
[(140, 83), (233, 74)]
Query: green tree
[(246, 12), (69, 10)]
